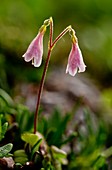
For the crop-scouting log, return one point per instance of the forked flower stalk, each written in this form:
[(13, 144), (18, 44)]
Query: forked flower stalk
[(50, 47), (35, 52)]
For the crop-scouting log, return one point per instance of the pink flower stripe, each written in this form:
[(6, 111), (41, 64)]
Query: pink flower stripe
[(75, 60), (35, 50)]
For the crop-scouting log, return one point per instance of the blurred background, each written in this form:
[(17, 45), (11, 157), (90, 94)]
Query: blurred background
[(87, 97), (92, 21)]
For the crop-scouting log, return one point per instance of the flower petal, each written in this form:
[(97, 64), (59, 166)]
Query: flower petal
[(81, 64), (37, 61), (27, 57), (35, 50), (71, 71), (75, 60)]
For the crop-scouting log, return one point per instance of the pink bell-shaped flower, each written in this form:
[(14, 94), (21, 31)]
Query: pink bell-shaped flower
[(35, 49), (75, 60)]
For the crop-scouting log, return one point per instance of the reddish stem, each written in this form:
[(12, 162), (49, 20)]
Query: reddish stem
[(51, 32), (40, 90), (51, 45), (61, 35)]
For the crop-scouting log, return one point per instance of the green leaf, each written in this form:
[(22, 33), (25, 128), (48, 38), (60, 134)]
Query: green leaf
[(70, 138), (20, 153), (107, 153), (1, 127), (4, 150), (6, 97), (20, 156), (25, 118), (30, 138), (21, 160), (4, 128), (35, 147), (59, 155), (100, 162), (55, 138), (47, 164)]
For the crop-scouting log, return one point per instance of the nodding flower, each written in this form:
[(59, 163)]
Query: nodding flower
[(35, 49), (75, 59)]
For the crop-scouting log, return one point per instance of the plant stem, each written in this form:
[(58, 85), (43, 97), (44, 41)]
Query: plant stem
[(51, 32), (61, 35), (41, 89), (43, 75), (50, 46)]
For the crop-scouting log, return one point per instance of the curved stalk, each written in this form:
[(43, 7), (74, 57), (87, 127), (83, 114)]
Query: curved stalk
[(40, 90), (50, 47)]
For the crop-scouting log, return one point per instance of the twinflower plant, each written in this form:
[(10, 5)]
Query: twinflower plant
[(34, 53)]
